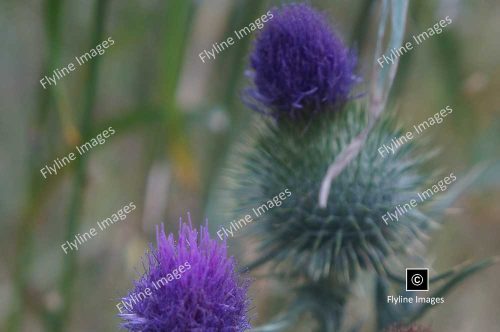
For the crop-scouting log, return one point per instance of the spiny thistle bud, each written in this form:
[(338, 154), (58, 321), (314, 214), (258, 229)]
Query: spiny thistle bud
[(299, 65), (188, 286), (349, 234)]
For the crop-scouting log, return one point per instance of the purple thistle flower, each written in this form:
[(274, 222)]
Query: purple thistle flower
[(192, 286), (299, 64)]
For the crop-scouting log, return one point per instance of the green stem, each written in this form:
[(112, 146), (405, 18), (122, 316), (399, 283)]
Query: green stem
[(173, 131), (361, 27), (76, 202), (231, 66), (384, 315), (25, 232)]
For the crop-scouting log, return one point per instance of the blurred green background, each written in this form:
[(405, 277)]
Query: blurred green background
[(177, 120)]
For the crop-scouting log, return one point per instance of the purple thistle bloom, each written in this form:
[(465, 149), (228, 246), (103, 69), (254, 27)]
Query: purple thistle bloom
[(299, 64), (188, 286)]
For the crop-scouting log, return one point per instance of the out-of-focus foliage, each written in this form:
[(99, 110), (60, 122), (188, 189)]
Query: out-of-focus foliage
[(175, 120)]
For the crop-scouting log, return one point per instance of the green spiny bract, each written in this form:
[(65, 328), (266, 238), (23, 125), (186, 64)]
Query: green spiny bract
[(302, 239)]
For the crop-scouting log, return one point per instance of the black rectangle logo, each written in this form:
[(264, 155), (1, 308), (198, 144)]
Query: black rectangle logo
[(417, 280)]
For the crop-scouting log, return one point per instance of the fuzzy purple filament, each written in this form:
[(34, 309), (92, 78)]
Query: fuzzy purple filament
[(299, 64), (209, 296)]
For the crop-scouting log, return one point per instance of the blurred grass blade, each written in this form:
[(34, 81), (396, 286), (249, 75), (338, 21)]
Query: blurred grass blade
[(69, 269), (282, 322), (460, 274), (25, 232), (387, 74), (456, 189), (380, 87), (178, 23), (376, 83), (360, 27), (179, 14)]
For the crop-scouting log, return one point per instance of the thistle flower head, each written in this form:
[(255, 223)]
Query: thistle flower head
[(192, 286), (299, 65)]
